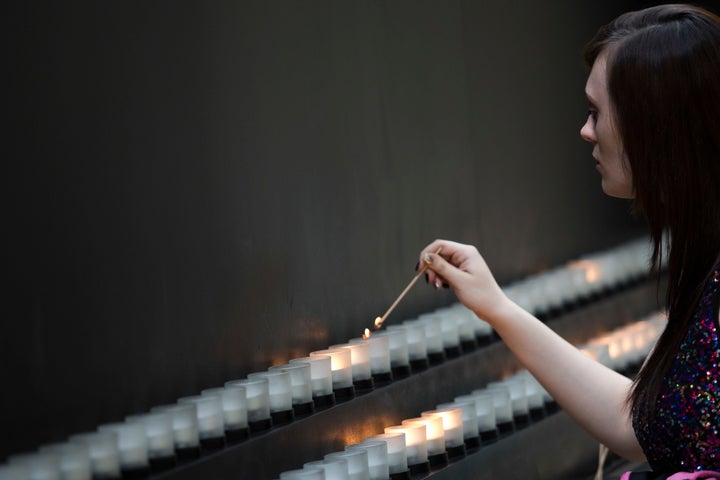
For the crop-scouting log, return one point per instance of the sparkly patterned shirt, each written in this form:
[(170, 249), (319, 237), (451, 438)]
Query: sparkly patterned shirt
[(683, 434)]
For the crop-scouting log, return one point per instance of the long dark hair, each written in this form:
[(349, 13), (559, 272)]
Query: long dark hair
[(663, 77)]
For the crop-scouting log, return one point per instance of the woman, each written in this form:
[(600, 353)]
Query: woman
[(654, 123)]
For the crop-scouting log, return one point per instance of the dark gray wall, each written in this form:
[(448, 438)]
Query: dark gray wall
[(198, 190)]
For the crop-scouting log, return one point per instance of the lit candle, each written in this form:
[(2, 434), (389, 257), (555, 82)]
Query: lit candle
[(415, 445), (159, 432), (234, 404), (280, 394), (377, 451), (452, 425), (301, 386), (102, 447), (434, 438), (379, 358), (357, 462), (132, 447), (470, 427), (321, 378), (257, 392), (360, 359), (341, 365), (396, 452), (185, 428)]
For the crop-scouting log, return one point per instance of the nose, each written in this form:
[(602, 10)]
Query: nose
[(587, 132)]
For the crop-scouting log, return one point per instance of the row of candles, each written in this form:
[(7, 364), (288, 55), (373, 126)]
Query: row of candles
[(157, 439), (438, 436)]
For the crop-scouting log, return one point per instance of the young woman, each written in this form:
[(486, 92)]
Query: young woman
[(654, 123)]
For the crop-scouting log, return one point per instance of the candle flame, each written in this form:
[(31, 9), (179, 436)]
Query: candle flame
[(367, 333), (378, 322)]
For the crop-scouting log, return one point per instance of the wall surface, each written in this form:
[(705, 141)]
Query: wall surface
[(198, 190)]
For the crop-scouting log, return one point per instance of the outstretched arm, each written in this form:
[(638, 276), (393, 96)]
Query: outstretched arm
[(592, 394)]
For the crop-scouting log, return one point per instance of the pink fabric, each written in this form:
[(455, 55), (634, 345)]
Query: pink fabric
[(625, 476)]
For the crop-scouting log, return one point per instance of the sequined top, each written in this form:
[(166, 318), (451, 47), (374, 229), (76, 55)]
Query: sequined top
[(683, 434)]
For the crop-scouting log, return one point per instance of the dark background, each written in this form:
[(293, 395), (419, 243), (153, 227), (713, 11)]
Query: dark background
[(198, 190)]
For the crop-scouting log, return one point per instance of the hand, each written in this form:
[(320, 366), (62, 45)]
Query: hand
[(463, 268)]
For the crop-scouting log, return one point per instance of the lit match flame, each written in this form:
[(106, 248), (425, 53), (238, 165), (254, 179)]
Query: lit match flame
[(378, 322), (367, 333)]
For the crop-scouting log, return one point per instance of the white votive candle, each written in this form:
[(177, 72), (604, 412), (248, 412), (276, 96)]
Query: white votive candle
[(415, 442), (379, 356), (74, 460), (357, 462), (396, 450), (14, 472), (452, 425), (320, 373), (279, 389), (360, 360), (300, 381), (184, 423), (103, 450), (39, 466), (378, 466), (434, 433), (234, 404), (257, 391), (433, 336), (416, 344), (334, 468), (309, 473), (209, 415), (399, 360), (132, 444), (159, 431), (469, 419), (341, 365)]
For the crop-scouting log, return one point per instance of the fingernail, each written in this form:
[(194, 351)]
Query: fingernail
[(427, 258), (427, 278), (438, 283), (417, 265), (445, 285)]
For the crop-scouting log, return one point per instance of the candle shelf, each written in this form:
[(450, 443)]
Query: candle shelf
[(549, 442)]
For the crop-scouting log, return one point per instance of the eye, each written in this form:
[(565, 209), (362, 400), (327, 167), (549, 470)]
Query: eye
[(592, 113)]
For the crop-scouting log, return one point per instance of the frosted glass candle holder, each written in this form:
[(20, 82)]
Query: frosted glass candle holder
[(533, 392), (452, 424), (257, 392), (159, 432), (416, 344), (360, 360), (74, 460), (14, 472), (357, 462), (321, 378), (341, 371), (434, 438), (396, 451), (103, 451), (185, 428), (234, 405), (433, 337), (300, 385), (415, 445), (470, 429), (309, 473), (486, 412), (377, 451), (211, 428), (132, 447), (379, 358), (503, 407), (334, 468), (280, 395), (40, 466), (399, 359)]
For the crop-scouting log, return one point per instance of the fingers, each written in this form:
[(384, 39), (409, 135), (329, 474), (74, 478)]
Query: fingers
[(442, 268)]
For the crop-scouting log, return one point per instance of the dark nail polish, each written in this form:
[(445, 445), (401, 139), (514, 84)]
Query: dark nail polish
[(445, 285), (417, 265), (427, 278)]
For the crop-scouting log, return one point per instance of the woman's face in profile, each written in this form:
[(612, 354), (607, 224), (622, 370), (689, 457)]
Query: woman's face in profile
[(599, 129)]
